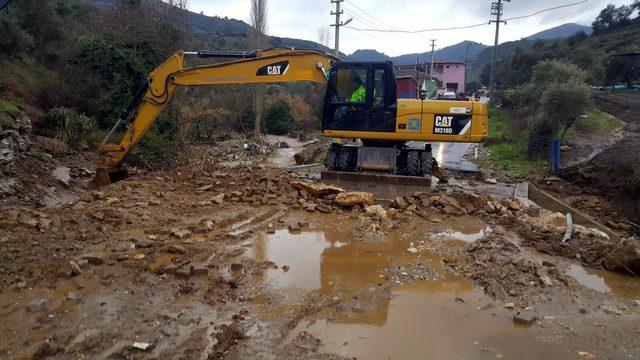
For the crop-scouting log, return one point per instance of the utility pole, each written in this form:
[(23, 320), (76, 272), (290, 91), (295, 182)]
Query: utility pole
[(496, 10), (466, 65), (433, 53), (337, 13)]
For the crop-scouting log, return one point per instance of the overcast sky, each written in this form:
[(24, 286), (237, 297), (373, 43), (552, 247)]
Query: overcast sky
[(303, 18)]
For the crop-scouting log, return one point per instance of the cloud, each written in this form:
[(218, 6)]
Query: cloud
[(302, 19)]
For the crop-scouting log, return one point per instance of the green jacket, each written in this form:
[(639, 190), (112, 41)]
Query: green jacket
[(360, 95)]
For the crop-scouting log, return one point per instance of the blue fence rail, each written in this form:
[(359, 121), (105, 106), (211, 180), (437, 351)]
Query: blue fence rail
[(545, 148)]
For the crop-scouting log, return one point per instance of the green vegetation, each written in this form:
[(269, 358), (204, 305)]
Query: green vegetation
[(595, 121), (278, 119), (322, 156), (616, 32), (8, 107), (70, 126), (508, 148), (553, 100)]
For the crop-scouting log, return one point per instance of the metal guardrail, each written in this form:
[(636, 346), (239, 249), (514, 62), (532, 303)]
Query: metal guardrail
[(545, 148)]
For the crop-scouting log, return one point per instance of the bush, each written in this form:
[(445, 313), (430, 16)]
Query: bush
[(69, 126), (278, 119), (153, 152)]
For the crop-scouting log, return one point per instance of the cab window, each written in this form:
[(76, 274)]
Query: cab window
[(378, 88), (351, 85)]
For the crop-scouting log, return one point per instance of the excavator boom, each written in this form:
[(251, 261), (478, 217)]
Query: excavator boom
[(261, 67)]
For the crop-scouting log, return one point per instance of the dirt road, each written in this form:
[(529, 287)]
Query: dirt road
[(209, 262)]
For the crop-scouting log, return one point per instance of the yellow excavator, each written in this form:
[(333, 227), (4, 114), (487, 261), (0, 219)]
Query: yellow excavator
[(360, 104)]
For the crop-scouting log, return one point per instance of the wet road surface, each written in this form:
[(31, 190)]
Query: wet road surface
[(451, 155)]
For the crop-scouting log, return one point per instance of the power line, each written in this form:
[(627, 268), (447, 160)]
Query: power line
[(366, 22), (371, 16), (420, 31), (549, 9), (468, 26), (369, 23)]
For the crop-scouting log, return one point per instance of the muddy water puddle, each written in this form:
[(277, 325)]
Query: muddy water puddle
[(398, 304), (606, 282), (468, 230)]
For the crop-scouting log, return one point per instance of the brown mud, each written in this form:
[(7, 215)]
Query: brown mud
[(209, 262)]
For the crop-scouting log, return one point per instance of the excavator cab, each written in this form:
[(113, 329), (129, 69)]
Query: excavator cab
[(361, 96)]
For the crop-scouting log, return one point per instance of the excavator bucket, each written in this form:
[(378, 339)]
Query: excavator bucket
[(106, 177)]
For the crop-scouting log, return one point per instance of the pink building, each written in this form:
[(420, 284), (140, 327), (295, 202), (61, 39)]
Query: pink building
[(451, 75)]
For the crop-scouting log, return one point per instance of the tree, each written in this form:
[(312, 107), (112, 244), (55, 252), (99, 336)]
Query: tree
[(258, 21), (278, 120), (613, 17), (554, 99), (563, 103), (324, 36)]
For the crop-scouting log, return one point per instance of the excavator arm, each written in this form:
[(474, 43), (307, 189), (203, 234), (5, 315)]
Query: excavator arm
[(261, 67)]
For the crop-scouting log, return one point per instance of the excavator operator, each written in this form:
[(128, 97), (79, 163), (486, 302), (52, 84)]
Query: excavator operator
[(360, 94)]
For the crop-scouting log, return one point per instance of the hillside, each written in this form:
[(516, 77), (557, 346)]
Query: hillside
[(457, 52), (588, 52), (560, 32)]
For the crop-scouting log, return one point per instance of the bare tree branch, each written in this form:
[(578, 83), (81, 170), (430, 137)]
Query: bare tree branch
[(258, 21), (324, 36)]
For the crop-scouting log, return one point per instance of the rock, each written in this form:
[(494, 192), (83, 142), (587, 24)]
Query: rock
[(549, 264), (170, 268), (545, 280), (72, 296), (179, 234), (611, 311), (75, 268), (310, 207), (399, 203), (303, 224), (636, 302), (21, 285), (509, 305), (199, 270), (317, 189), (36, 305), (141, 346), (154, 202), (93, 259), (294, 229), (565, 148), (513, 293), (285, 268), (583, 355), (177, 249), (349, 199), (325, 209), (183, 272), (490, 181), (513, 204), (525, 318), (412, 249), (218, 199), (143, 243), (377, 211), (205, 188), (83, 263)]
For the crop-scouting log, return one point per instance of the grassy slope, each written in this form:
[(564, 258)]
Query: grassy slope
[(507, 152)]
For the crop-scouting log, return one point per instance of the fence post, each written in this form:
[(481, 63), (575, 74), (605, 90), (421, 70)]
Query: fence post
[(530, 148)]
